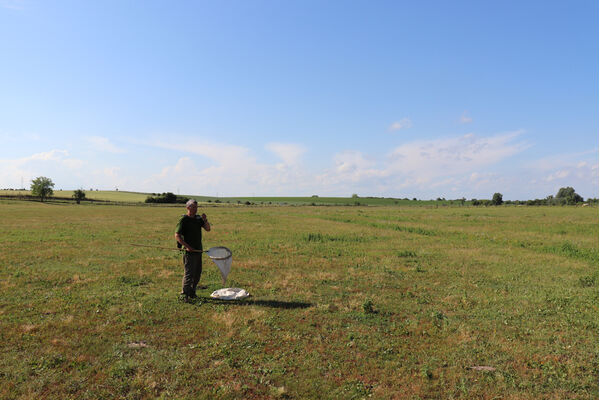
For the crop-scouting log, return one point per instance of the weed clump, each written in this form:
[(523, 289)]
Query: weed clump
[(368, 307), (587, 281), (133, 281), (406, 253)]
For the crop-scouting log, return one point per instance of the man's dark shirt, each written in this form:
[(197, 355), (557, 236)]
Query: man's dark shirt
[(191, 230)]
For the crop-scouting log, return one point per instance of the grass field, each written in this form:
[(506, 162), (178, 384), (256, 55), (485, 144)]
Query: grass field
[(347, 303)]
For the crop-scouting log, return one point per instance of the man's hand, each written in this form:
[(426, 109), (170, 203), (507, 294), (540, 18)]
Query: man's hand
[(206, 223), (183, 243)]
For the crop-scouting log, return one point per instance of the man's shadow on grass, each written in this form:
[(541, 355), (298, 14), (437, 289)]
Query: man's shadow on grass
[(251, 302)]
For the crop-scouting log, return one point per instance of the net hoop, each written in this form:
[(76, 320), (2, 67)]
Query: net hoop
[(219, 253)]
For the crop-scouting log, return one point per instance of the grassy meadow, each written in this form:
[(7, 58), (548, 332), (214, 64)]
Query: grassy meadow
[(347, 303)]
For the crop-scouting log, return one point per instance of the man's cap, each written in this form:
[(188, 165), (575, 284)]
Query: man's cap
[(190, 202)]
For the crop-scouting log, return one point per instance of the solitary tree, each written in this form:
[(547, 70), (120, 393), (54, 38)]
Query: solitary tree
[(569, 195), (42, 187), (79, 195), (497, 199)]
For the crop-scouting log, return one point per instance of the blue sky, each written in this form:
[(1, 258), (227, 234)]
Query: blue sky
[(380, 98)]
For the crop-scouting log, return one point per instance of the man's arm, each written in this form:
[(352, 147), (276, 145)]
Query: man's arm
[(179, 239)]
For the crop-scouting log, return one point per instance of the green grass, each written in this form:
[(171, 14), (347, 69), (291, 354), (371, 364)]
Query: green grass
[(347, 302)]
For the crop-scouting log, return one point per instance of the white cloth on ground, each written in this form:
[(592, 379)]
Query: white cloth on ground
[(229, 294)]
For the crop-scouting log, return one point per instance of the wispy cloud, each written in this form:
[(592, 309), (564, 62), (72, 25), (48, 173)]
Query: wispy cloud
[(404, 123), (465, 118), (557, 175), (558, 161), (456, 155), (579, 170), (104, 144), (455, 163), (222, 153), (466, 165), (52, 155), (231, 167), (19, 137), (288, 152), (38, 164), (12, 4)]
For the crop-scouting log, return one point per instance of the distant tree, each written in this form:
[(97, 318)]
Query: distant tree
[(170, 197), (79, 195), (42, 187), (497, 199), (569, 195), (167, 197), (354, 196)]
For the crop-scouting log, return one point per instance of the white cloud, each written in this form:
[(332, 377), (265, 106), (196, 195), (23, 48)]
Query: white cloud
[(183, 168), (351, 161), (557, 175), (463, 165), (104, 144), (452, 163), (112, 172), (450, 156), (351, 169), (46, 163), (290, 153), (221, 153), (558, 161), (231, 168), (404, 123), (109, 178), (478, 180), (579, 170), (52, 155)]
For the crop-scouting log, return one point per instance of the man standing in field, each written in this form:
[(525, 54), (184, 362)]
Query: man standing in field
[(189, 235)]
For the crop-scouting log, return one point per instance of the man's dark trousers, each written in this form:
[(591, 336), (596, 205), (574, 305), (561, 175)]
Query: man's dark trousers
[(193, 270)]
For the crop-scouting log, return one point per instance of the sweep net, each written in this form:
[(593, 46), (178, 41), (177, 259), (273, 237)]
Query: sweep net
[(222, 257)]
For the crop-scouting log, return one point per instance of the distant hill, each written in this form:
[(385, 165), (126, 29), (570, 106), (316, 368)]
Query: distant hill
[(101, 195), (139, 197)]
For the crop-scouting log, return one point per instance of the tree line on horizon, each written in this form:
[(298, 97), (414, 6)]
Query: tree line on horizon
[(42, 187), (168, 198)]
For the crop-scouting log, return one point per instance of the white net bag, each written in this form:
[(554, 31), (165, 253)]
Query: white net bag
[(222, 257)]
